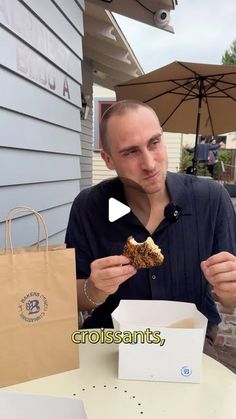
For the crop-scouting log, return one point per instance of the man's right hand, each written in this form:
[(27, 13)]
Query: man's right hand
[(107, 274)]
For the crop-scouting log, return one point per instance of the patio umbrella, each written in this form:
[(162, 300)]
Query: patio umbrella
[(188, 97)]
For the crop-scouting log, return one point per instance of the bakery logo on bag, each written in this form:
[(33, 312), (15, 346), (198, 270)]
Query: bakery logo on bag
[(33, 307)]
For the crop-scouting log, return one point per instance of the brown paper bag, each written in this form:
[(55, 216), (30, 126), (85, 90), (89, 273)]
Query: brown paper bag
[(38, 310)]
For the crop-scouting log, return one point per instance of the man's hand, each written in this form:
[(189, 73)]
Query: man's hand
[(108, 273), (220, 271), (106, 276), (222, 144)]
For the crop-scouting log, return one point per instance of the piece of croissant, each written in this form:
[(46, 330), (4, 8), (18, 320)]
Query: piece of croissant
[(143, 255)]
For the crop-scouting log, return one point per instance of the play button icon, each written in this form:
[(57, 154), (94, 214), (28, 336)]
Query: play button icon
[(116, 210)]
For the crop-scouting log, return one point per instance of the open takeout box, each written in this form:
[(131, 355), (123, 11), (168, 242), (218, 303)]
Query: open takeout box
[(178, 330)]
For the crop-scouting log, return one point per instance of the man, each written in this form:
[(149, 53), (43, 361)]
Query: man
[(212, 158), (198, 242), (203, 151)]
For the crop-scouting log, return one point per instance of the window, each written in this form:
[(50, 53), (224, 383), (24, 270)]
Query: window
[(100, 106)]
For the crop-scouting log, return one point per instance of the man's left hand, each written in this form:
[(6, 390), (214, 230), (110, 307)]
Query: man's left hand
[(220, 271)]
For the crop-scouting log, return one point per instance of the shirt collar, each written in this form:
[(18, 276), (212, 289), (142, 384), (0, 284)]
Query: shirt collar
[(178, 186)]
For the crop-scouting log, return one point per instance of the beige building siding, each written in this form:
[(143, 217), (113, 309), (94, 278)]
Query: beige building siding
[(100, 171), (188, 140), (173, 145), (231, 140)]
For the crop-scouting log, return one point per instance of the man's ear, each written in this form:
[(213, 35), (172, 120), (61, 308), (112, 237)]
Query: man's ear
[(107, 159)]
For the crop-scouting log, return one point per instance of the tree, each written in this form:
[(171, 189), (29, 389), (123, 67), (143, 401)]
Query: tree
[(229, 56)]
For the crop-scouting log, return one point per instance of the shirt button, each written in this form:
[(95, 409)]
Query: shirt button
[(153, 276)]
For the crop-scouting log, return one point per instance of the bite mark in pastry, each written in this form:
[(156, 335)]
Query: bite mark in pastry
[(143, 255)]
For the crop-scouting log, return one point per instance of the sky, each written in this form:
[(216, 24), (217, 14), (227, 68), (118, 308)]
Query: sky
[(204, 29)]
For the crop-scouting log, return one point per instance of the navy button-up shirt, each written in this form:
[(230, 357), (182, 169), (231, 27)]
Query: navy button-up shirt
[(206, 225)]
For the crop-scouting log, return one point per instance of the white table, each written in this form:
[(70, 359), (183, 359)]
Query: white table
[(107, 397)]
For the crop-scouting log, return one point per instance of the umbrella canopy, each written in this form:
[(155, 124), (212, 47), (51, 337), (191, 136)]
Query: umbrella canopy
[(188, 97)]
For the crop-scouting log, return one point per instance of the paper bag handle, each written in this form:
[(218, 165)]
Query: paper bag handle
[(12, 213)]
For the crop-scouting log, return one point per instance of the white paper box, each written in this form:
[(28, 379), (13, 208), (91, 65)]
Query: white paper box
[(178, 355), (30, 406)]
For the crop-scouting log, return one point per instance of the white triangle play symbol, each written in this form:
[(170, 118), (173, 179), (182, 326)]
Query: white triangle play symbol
[(116, 209)]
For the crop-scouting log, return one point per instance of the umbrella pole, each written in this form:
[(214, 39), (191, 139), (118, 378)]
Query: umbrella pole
[(194, 169)]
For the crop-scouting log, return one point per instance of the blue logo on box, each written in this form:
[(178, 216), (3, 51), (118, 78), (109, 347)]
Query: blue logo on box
[(186, 371)]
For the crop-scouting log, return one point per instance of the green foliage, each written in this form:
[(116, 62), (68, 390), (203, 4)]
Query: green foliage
[(185, 160), (229, 56), (223, 155), (202, 169)]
